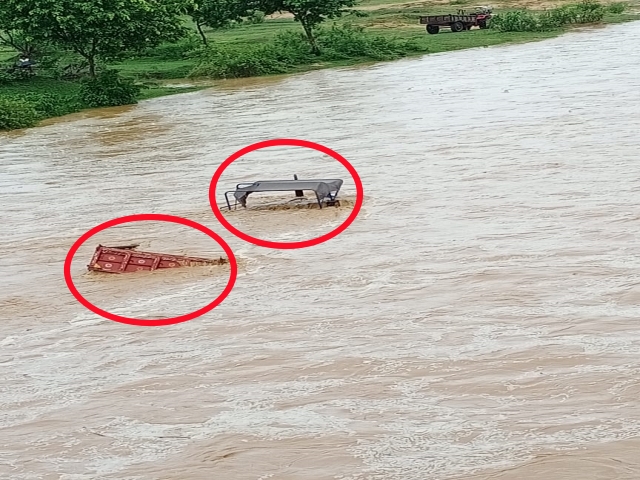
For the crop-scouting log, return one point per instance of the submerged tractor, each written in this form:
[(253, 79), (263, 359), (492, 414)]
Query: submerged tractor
[(459, 22)]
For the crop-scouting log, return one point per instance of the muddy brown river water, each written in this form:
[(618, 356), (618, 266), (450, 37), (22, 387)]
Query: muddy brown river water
[(479, 320)]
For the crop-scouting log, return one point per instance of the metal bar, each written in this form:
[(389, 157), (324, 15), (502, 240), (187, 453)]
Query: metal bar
[(299, 193), (227, 198)]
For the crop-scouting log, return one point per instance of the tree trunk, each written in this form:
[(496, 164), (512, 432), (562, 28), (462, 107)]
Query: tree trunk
[(312, 40), (204, 37), (92, 65)]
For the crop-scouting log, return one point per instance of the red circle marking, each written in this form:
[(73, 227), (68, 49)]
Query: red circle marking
[(158, 218), (295, 143)]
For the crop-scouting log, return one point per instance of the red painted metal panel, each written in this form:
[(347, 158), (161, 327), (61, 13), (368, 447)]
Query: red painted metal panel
[(127, 259), (109, 266), (137, 268)]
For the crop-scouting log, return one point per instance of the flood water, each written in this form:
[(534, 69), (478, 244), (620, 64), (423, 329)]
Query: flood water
[(479, 319)]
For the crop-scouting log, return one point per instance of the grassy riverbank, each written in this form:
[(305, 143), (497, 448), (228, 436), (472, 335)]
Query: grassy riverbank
[(379, 30)]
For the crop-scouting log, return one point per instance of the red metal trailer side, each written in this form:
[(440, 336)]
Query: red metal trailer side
[(457, 23), (127, 259)]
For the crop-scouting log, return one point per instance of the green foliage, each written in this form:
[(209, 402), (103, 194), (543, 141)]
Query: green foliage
[(256, 17), (310, 13), (97, 29), (185, 48), (290, 50), (238, 62), (108, 89), (348, 41), (5, 77), (617, 8), (515, 21), (49, 105), (17, 113), (15, 39), (587, 11), (220, 13)]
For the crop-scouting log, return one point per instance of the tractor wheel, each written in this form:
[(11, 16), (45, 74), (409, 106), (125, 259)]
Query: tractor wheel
[(483, 25), (457, 27), (433, 29)]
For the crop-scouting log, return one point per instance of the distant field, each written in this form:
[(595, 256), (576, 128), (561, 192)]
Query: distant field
[(386, 18)]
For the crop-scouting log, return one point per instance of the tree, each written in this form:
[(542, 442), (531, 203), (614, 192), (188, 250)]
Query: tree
[(18, 41), (310, 13), (97, 29), (218, 14)]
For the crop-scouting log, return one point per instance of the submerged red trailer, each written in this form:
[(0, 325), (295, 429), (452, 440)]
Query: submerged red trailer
[(126, 259)]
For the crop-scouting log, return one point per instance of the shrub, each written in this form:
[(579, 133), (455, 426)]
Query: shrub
[(256, 17), (237, 62), (52, 105), (183, 49), (5, 76), (515, 21), (17, 113), (617, 7), (587, 11), (291, 49), (348, 41), (564, 15), (108, 89)]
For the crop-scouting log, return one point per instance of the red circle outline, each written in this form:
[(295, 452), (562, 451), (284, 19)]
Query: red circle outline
[(160, 218), (295, 143)]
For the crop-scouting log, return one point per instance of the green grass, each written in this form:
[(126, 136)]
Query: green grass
[(61, 87), (154, 91), (155, 69), (40, 85)]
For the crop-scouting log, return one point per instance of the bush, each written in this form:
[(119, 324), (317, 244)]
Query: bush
[(5, 77), (343, 42), (183, 49), (237, 62), (50, 105), (516, 21), (617, 8), (256, 17), (547, 21), (17, 113), (108, 89), (587, 11), (291, 49)]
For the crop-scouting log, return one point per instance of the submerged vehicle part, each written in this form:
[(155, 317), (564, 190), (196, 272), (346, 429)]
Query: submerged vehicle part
[(126, 259), (326, 191)]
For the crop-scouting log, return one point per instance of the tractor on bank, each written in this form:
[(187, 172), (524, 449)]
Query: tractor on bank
[(458, 22)]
